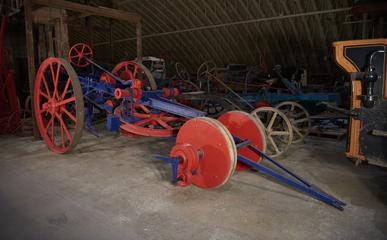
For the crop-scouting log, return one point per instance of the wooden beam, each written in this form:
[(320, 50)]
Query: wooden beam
[(97, 11), (30, 59)]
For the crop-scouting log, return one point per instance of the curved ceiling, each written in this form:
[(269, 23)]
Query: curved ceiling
[(286, 32)]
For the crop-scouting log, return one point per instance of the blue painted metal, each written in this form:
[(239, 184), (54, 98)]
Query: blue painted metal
[(97, 92), (113, 123), (290, 93), (174, 163), (288, 178)]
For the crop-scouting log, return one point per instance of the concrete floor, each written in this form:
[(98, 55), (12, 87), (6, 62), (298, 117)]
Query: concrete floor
[(112, 188)]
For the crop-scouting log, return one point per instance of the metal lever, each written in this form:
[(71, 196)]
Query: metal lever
[(301, 184)]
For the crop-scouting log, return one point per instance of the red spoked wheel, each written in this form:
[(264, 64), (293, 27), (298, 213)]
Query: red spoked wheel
[(79, 53), (244, 126), (58, 105), (151, 123), (130, 70), (207, 153)]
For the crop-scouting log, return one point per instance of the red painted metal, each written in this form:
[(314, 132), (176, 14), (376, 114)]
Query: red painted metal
[(58, 109), (135, 88), (207, 153), (107, 79), (125, 70), (150, 124), (78, 54), (262, 103), (244, 126), (168, 92)]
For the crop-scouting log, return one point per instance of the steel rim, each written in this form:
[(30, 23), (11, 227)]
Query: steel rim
[(129, 70), (246, 127), (79, 53), (58, 105), (298, 117), (218, 155)]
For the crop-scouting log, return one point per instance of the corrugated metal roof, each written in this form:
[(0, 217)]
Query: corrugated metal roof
[(188, 31)]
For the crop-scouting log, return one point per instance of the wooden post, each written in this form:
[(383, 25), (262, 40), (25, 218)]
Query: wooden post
[(30, 60), (139, 41), (364, 30)]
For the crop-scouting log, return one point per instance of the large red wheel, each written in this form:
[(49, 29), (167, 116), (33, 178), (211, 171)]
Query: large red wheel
[(79, 53), (244, 126), (151, 123), (58, 105), (129, 70), (207, 153)]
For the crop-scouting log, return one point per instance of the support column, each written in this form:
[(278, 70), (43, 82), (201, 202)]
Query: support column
[(30, 60)]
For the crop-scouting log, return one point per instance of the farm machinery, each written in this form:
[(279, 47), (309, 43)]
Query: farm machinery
[(207, 151), (65, 100)]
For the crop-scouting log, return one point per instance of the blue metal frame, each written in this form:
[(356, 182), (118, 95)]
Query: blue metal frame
[(96, 93), (288, 177), (291, 93)]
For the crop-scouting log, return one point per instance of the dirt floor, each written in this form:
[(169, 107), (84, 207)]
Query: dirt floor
[(111, 187)]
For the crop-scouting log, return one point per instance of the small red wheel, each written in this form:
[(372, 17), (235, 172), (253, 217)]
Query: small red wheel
[(130, 70), (79, 53), (58, 105), (150, 124), (244, 126), (206, 162)]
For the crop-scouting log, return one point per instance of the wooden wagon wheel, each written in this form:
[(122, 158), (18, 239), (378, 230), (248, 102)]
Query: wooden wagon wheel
[(204, 74), (278, 129), (58, 105), (298, 117), (129, 70), (181, 71)]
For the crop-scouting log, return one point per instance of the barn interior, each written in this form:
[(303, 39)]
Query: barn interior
[(193, 119)]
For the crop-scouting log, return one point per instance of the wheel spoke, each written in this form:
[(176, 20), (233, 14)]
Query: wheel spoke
[(144, 108), (83, 49), (56, 81), (170, 119), (273, 117), (273, 144), (46, 85), (63, 125), (77, 50), (164, 124), (44, 95), (65, 88), (49, 123), (301, 120), (143, 122), (297, 131), (68, 100), (71, 116), (279, 133), (62, 136)]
